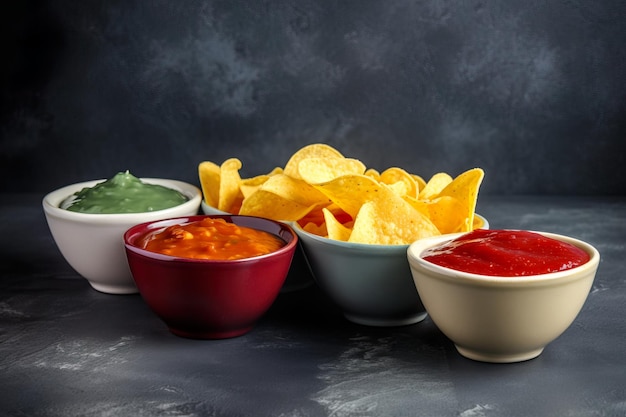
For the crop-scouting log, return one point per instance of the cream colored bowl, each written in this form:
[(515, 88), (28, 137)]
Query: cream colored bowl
[(501, 319), (92, 243)]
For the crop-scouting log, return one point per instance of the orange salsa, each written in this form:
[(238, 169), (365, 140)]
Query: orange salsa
[(212, 238)]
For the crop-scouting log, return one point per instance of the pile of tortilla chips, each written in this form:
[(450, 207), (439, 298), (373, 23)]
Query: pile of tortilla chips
[(340, 198)]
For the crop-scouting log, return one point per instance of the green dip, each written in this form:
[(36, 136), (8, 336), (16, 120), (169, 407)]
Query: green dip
[(124, 193)]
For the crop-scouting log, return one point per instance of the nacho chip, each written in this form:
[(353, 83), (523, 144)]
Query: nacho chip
[(250, 185), (394, 175), (316, 150), (419, 181), (209, 174), (350, 192), (315, 229), (371, 172), (334, 229), (276, 171), (295, 189), (479, 223), (434, 186), (447, 213), (267, 204), (319, 170), (465, 189), (390, 220), (229, 192), (419, 205)]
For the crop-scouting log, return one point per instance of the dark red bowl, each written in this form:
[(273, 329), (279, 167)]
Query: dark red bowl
[(210, 299)]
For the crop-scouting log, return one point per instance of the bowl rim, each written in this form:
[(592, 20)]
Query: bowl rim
[(131, 234), (52, 200), (416, 249)]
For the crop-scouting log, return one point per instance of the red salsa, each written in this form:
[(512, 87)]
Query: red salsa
[(508, 253), (211, 239)]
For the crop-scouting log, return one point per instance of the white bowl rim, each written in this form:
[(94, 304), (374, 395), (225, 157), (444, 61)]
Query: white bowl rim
[(416, 249), (52, 200)]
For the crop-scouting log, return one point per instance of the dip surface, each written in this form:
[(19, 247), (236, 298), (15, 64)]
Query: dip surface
[(507, 253), (124, 193), (211, 239)]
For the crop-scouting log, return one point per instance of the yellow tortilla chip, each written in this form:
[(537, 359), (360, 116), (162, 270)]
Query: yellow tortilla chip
[(447, 213), (395, 174), (275, 171), (266, 204), (390, 220), (334, 229), (419, 205), (350, 192), (209, 174), (465, 189), (250, 185), (229, 194), (371, 172), (316, 150), (420, 182), (479, 223), (294, 189), (315, 229), (434, 186), (319, 170)]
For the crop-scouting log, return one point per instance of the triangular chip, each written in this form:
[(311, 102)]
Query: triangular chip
[(316, 150), (394, 174), (334, 229), (420, 183), (209, 174), (319, 170), (266, 204), (434, 186), (447, 213), (315, 229), (230, 194), (371, 172), (350, 192), (295, 189), (390, 220), (465, 189), (250, 185)]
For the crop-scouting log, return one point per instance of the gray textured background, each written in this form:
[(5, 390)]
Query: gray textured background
[(534, 92)]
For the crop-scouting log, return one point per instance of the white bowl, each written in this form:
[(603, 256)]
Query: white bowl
[(501, 319), (92, 243)]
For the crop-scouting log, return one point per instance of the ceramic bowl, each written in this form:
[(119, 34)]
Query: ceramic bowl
[(92, 243), (210, 299), (299, 276), (501, 319), (371, 284)]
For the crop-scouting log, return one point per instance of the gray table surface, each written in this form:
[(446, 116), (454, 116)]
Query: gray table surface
[(67, 350)]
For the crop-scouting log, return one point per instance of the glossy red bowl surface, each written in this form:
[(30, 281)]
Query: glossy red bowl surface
[(210, 299)]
